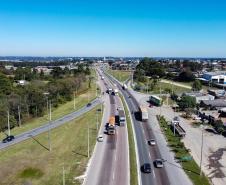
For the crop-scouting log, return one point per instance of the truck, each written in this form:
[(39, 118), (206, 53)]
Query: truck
[(111, 126), (176, 127), (115, 92), (122, 118), (155, 100), (124, 86), (144, 113)]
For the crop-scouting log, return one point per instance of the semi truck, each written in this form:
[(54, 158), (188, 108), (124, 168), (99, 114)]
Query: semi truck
[(115, 92), (144, 113), (111, 125), (122, 118), (176, 127)]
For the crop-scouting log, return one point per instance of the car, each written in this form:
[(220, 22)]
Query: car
[(152, 142), (100, 138), (158, 163), (89, 104), (196, 118), (8, 139), (146, 168), (129, 96)]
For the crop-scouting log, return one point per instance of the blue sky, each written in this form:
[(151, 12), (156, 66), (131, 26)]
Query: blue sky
[(174, 28)]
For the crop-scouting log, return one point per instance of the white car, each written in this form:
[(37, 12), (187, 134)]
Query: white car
[(196, 118), (100, 138), (152, 142)]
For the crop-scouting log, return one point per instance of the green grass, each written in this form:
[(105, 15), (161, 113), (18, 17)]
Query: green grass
[(160, 85), (30, 162), (31, 173), (190, 167), (63, 109), (132, 153), (121, 76)]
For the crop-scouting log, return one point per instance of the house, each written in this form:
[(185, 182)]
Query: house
[(213, 104), (200, 96)]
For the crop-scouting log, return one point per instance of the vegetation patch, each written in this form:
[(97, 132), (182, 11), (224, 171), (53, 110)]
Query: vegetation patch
[(183, 155), (33, 173), (132, 153), (121, 76)]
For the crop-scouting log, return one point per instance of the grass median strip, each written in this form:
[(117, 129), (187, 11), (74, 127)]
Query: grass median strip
[(120, 75), (132, 153), (181, 153), (30, 162)]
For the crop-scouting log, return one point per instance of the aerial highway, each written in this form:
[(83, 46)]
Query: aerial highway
[(143, 133), (110, 160), (51, 125)]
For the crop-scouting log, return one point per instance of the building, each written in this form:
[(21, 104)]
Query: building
[(213, 104), (200, 96), (218, 77)]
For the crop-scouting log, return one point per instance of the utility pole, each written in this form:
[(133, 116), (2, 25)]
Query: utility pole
[(50, 118), (97, 120), (201, 153), (160, 97), (63, 176), (19, 119), (8, 124), (88, 141), (74, 100), (96, 89)]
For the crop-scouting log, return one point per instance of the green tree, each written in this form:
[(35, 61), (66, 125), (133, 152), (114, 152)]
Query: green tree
[(187, 102), (196, 86), (186, 76), (5, 85)]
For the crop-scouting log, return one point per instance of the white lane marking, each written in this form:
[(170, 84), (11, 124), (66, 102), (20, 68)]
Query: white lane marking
[(113, 177), (154, 174), (149, 155), (143, 131)]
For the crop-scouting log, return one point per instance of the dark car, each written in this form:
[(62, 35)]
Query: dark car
[(8, 139), (88, 104), (146, 168)]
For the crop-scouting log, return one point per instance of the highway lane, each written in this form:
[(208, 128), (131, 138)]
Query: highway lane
[(143, 133), (53, 124), (110, 163)]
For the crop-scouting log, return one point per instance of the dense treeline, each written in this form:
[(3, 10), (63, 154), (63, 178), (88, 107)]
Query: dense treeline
[(31, 100), (149, 67), (158, 69)]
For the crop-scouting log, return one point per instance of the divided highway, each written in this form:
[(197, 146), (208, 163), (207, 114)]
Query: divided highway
[(143, 133), (110, 163)]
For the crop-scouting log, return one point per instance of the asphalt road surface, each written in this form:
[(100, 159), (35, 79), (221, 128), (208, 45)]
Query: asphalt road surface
[(110, 162), (52, 125), (143, 133)]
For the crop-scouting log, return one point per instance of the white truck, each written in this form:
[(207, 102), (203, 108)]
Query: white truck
[(144, 113), (122, 118), (124, 86)]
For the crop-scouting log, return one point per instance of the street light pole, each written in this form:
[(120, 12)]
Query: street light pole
[(97, 120), (74, 100), (201, 153), (88, 141), (19, 119), (8, 123), (63, 176), (50, 119)]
